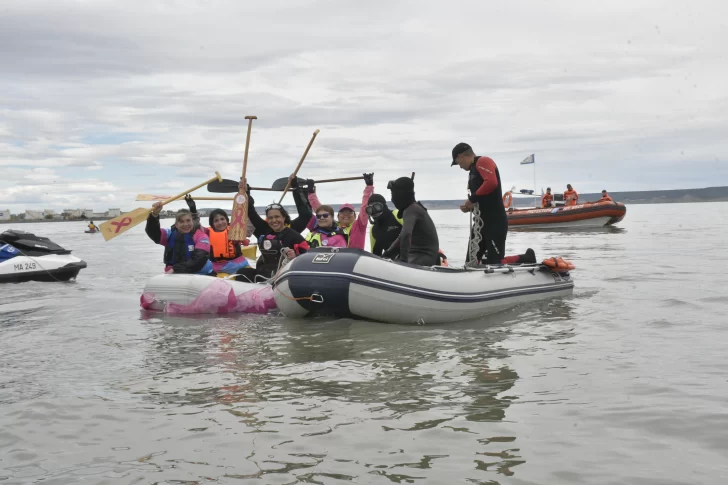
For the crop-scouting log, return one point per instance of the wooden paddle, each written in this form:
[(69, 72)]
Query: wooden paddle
[(288, 185), (165, 197), (227, 186), (281, 182), (239, 225), (119, 225)]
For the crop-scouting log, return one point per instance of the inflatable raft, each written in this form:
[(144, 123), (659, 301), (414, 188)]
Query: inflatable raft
[(595, 214), (354, 283), (198, 294)]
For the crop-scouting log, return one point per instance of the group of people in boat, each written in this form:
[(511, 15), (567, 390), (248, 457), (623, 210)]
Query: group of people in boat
[(406, 234), (571, 197)]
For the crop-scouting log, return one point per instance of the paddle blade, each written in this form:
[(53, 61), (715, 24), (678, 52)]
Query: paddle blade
[(119, 225), (227, 186), (239, 223), (281, 183), (148, 197)]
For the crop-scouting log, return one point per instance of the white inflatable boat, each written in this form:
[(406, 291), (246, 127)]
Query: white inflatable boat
[(198, 294), (354, 283), (27, 257)]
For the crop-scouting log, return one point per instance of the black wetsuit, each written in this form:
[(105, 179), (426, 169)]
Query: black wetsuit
[(303, 207), (485, 189), (270, 244), (385, 231), (418, 242)]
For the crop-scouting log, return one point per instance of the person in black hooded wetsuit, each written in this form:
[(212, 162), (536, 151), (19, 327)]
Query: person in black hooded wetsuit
[(385, 224), (418, 242)]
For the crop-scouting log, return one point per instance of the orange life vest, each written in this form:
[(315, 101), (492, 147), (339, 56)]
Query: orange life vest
[(571, 193), (546, 200), (220, 246), (558, 264)]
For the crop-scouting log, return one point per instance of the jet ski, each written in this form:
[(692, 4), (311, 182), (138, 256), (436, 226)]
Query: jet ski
[(27, 257)]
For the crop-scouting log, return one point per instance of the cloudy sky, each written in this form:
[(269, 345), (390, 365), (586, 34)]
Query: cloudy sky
[(101, 100)]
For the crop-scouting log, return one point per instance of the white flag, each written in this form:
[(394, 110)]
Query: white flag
[(529, 159)]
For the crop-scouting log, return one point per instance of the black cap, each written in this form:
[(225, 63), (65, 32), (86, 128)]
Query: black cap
[(459, 148)]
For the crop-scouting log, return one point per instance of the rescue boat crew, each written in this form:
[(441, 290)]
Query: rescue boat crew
[(186, 246), (570, 196), (275, 239), (547, 198), (326, 232), (605, 197)]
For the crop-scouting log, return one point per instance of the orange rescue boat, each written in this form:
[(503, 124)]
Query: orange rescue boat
[(589, 214)]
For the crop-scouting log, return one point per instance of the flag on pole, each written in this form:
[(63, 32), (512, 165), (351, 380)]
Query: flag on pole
[(529, 159)]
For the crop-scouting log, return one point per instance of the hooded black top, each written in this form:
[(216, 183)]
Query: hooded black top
[(418, 242)]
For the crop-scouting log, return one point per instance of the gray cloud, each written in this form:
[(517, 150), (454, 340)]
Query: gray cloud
[(145, 94)]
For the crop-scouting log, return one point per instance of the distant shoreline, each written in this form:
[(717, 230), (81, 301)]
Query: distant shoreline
[(521, 201), (675, 196)]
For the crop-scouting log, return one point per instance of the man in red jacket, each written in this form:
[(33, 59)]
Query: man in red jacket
[(486, 193)]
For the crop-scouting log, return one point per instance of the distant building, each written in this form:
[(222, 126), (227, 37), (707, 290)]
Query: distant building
[(34, 215), (88, 213), (73, 213), (4, 215), (113, 213)]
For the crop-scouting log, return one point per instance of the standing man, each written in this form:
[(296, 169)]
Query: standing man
[(486, 197), (570, 195)]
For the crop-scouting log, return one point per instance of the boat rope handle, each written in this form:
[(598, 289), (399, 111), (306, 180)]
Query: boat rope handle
[(310, 297)]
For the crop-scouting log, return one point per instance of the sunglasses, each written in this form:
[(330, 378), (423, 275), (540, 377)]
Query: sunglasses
[(323, 215), (375, 208), (274, 206)]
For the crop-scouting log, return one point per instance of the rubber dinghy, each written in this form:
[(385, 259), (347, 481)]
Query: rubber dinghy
[(354, 283), (27, 257), (197, 294), (595, 214)]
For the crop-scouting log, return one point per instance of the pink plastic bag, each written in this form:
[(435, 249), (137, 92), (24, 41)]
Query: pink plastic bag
[(219, 297)]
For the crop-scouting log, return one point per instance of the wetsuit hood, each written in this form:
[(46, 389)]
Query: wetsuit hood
[(403, 193)]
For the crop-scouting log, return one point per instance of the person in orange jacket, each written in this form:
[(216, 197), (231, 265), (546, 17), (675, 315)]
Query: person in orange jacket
[(605, 197), (547, 198), (570, 195)]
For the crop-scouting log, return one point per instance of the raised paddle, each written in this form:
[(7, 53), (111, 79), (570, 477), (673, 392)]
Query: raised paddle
[(163, 197), (239, 225), (155, 198), (227, 186), (119, 225), (288, 185), (280, 184)]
